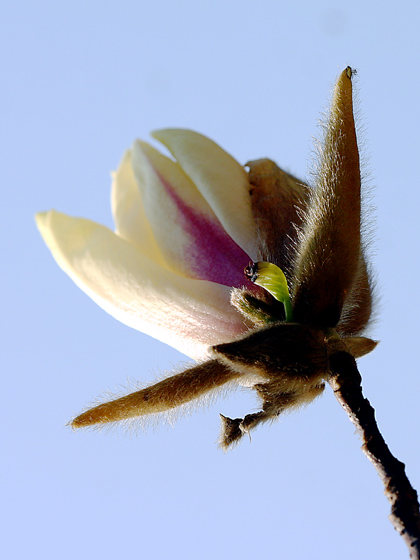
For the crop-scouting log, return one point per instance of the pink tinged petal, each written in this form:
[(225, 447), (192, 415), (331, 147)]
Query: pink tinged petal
[(188, 314), (128, 210), (192, 240), (211, 254), (221, 180)]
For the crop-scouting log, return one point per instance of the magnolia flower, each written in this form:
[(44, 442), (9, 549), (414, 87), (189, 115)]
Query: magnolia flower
[(183, 234), (185, 230)]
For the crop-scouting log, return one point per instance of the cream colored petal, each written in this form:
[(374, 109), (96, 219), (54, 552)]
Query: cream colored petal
[(221, 180), (172, 172), (191, 238), (130, 219), (190, 315)]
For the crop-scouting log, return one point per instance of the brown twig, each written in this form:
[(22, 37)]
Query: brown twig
[(405, 516)]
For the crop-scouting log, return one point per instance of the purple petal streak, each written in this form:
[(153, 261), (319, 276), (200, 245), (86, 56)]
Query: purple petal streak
[(211, 254)]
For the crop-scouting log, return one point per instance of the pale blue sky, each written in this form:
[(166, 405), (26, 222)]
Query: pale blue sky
[(82, 80)]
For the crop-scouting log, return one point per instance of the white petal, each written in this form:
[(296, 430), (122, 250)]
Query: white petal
[(191, 238), (188, 314), (128, 211), (221, 180)]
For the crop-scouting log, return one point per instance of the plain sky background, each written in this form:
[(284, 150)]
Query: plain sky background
[(79, 82)]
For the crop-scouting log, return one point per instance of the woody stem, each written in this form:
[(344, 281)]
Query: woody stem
[(405, 516)]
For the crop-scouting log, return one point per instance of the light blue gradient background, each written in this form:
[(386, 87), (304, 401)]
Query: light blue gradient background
[(79, 82)]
